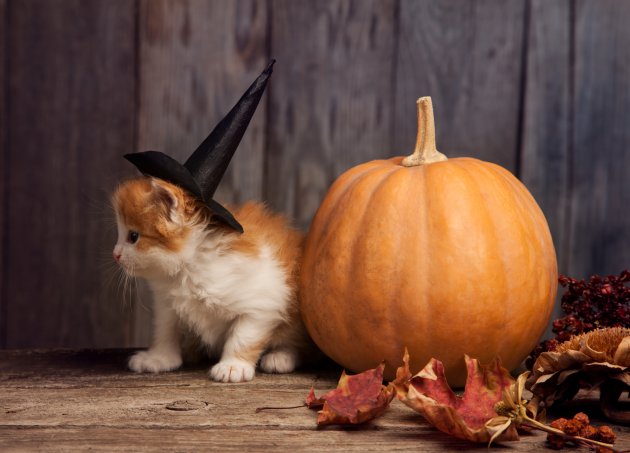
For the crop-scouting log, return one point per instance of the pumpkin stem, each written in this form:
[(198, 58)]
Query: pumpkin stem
[(425, 151)]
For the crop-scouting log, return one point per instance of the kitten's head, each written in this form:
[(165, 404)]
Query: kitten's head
[(159, 226)]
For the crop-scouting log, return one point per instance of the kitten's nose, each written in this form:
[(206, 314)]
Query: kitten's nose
[(117, 257)]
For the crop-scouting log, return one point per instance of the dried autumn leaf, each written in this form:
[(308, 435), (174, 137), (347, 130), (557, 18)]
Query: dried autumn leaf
[(484, 385), (357, 399), (471, 416), (403, 376), (312, 402), (597, 359)]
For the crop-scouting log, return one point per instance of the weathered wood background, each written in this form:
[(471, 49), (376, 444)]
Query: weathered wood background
[(542, 88)]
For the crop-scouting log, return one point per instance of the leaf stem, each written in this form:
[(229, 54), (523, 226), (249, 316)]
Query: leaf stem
[(275, 408)]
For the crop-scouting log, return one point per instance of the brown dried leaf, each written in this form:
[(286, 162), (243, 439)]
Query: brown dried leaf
[(597, 359), (312, 402), (622, 354), (357, 399), (585, 361), (472, 416), (403, 376)]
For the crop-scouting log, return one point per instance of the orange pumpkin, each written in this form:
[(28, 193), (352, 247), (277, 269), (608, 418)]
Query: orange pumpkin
[(443, 256)]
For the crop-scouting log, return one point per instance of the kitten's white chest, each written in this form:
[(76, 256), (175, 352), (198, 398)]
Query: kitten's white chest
[(216, 288), (207, 318), (200, 300)]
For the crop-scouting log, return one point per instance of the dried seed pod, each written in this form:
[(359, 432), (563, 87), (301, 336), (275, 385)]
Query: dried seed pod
[(573, 427), (589, 432), (597, 359), (580, 429), (606, 434), (559, 423)]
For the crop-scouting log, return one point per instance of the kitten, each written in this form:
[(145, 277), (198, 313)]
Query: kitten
[(236, 292)]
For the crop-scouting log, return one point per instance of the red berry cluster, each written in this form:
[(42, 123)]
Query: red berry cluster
[(598, 302), (580, 426)]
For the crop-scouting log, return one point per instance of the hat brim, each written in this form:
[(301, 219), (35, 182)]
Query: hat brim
[(224, 215), (162, 166)]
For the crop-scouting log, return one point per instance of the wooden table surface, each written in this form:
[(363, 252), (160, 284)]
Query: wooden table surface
[(87, 400)]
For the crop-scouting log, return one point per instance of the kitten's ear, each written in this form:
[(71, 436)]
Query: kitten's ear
[(165, 197)]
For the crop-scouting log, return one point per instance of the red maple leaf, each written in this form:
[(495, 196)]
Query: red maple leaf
[(357, 399), (465, 417)]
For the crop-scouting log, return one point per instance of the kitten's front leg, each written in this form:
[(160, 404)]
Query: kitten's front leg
[(246, 341), (165, 351)]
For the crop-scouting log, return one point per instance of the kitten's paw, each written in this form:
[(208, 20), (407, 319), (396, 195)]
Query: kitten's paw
[(280, 361), (154, 361), (232, 370)]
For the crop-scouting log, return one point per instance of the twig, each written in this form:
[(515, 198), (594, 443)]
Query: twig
[(274, 408), (531, 423)]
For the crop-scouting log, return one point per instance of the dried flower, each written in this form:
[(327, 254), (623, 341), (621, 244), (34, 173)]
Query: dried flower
[(597, 359)]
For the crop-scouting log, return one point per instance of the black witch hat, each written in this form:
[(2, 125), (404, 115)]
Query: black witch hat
[(203, 170)]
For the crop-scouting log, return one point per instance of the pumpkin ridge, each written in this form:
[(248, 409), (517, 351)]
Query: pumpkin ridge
[(443, 277), (514, 193), (331, 242), (384, 178), (344, 181), (338, 205), (536, 223), (417, 184), (410, 180), (496, 237), (543, 234), (485, 233)]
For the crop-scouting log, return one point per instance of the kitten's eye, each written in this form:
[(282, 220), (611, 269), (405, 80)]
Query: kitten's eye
[(132, 237)]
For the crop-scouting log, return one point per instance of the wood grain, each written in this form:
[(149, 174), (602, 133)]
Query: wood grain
[(599, 224), (467, 56), (248, 438), (545, 149), (331, 99), (69, 400), (545, 145), (71, 108), (196, 60), (3, 153)]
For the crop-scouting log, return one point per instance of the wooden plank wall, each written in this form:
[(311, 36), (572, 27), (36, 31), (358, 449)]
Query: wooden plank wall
[(542, 88), (3, 175), (599, 228), (71, 91)]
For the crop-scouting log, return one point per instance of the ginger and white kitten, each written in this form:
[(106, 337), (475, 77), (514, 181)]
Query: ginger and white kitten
[(236, 292)]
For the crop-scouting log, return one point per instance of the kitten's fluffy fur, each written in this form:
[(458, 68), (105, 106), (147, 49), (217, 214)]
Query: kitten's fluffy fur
[(236, 292)]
